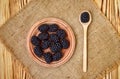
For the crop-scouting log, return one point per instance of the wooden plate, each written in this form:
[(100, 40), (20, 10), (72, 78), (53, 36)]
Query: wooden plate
[(67, 53)]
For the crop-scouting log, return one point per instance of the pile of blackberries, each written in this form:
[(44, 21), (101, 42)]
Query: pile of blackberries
[(50, 37)]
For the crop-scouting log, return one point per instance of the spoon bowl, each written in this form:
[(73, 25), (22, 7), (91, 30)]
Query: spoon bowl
[(85, 23)]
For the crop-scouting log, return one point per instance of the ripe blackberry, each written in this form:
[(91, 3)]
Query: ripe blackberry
[(65, 43), (35, 41), (45, 44), (43, 36), (53, 28), (85, 17), (38, 51), (61, 33), (57, 56), (56, 47), (48, 57), (43, 28), (54, 38)]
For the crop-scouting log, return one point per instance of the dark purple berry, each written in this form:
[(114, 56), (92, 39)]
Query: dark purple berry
[(38, 51), (61, 33), (45, 44), (65, 43), (85, 17), (48, 57), (56, 47), (43, 36), (43, 28), (57, 56), (54, 38), (35, 41), (53, 27)]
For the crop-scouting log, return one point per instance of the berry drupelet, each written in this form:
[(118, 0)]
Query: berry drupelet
[(56, 47), (54, 38), (57, 56), (35, 41), (43, 28), (38, 51), (85, 17), (65, 43), (45, 44), (48, 57), (53, 27), (43, 36), (61, 33)]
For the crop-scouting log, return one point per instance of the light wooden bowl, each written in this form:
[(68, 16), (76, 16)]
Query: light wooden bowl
[(67, 53)]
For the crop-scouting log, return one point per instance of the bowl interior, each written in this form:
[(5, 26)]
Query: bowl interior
[(67, 53)]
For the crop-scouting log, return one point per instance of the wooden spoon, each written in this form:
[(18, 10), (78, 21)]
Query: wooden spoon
[(85, 20)]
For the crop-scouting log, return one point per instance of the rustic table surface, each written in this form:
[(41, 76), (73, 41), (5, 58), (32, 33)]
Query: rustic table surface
[(12, 68)]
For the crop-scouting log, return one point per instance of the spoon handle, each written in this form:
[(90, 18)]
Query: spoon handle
[(85, 51)]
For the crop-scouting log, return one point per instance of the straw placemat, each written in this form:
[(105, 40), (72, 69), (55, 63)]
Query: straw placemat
[(103, 39)]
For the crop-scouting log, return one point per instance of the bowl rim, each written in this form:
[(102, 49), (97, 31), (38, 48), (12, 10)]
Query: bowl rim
[(66, 59)]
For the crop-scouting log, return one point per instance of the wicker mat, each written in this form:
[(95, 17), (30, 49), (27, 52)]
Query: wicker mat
[(103, 39)]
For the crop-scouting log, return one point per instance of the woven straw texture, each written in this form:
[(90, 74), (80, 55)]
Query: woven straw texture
[(103, 39)]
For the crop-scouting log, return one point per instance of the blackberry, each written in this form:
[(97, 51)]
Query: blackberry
[(56, 47), (85, 17), (35, 41), (48, 57), (65, 43), (54, 38), (38, 51), (43, 28), (53, 28), (45, 44), (43, 36), (61, 33), (57, 56)]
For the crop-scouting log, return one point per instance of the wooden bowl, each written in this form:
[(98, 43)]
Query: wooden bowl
[(67, 53)]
